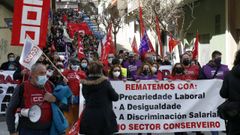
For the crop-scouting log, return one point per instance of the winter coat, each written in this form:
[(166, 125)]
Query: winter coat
[(98, 116), (231, 90)]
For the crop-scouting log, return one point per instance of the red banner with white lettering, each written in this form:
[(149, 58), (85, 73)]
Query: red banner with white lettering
[(30, 18)]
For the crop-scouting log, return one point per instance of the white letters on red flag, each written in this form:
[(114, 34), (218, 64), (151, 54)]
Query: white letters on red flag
[(30, 54), (30, 18), (108, 46), (195, 49)]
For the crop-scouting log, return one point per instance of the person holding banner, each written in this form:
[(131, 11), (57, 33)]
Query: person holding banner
[(145, 73), (230, 91), (214, 69), (115, 73), (132, 64), (35, 91), (178, 72), (191, 71), (98, 117)]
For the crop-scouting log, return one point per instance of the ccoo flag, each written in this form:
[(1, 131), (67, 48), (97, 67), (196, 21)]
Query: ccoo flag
[(30, 53)]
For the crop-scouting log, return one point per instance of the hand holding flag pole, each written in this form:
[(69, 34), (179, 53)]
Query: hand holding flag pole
[(30, 55)]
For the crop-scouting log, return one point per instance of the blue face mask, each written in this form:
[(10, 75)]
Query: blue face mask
[(41, 80), (84, 65)]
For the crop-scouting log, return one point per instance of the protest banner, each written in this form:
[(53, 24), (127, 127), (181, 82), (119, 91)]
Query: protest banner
[(158, 107), (7, 85)]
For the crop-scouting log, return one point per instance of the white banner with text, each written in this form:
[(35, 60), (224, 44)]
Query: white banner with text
[(7, 86), (176, 106)]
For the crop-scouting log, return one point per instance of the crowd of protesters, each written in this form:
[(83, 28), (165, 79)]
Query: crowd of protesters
[(124, 65)]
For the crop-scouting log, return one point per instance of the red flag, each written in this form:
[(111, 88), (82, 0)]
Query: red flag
[(134, 46), (142, 29), (159, 36), (30, 18), (108, 46), (109, 40), (80, 49), (195, 49), (76, 27), (172, 43)]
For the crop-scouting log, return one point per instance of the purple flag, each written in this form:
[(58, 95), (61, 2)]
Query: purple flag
[(144, 47)]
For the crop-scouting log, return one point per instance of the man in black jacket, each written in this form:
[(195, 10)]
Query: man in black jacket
[(11, 64)]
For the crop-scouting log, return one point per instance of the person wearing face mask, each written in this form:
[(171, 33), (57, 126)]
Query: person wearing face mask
[(155, 67), (166, 61), (35, 91), (84, 65), (178, 72), (73, 75), (11, 64), (116, 61), (191, 71), (115, 73), (145, 73), (108, 65), (132, 65), (214, 69)]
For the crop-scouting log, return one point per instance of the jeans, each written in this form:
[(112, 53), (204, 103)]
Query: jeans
[(26, 131)]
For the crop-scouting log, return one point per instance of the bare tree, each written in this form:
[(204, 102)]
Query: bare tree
[(111, 17), (171, 15)]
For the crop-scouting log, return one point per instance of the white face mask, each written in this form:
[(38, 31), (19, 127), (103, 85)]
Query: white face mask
[(75, 67), (121, 60), (49, 73), (116, 74), (110, 61), (61, 70), (154, 69)]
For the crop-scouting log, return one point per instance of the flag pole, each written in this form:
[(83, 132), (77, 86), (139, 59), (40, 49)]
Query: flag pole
[(54, 66)]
